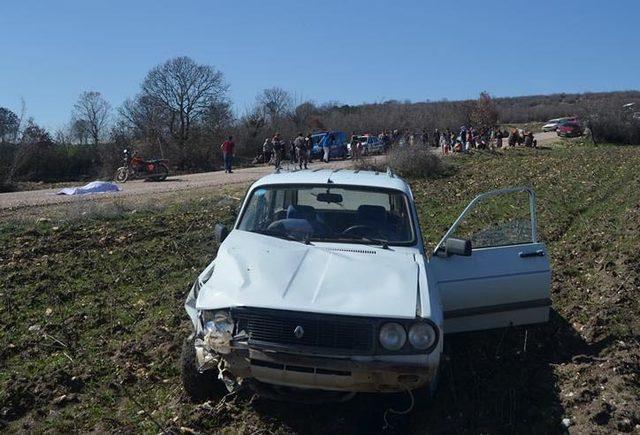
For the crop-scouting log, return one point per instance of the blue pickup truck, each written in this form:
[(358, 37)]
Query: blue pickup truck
[(337, 141)]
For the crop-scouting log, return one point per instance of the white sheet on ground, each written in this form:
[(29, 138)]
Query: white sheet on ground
[(93, 187)]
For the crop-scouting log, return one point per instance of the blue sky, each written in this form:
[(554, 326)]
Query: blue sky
[(346, 51)]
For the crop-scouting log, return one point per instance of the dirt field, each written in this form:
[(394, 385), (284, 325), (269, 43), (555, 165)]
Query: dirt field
[(92, 317)]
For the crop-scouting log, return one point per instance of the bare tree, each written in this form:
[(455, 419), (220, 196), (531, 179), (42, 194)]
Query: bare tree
[(80, 131), (275, 103), (186, 91), (34, 139), (64, 134), (485, 112), (148, 120), (93, 111), (303, 114)]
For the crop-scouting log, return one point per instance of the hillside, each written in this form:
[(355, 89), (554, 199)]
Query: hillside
[(92, 318)]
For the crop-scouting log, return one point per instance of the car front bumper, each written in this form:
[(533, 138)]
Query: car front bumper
[(353, 373)]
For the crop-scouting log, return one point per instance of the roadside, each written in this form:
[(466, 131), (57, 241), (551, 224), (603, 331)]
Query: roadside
[(33, 198), (20, 200)]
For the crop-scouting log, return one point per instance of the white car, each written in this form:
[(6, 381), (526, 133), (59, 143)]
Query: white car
[(323, 286), (552, 124), (369, 144)]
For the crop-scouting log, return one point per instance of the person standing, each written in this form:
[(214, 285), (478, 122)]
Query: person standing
[(278, 149), (354, 146), (499, 136), (444, 144), (300, 144), (326, 147), (228, 150), (266, 151), (468, 141), (424, 137), (513, 138)]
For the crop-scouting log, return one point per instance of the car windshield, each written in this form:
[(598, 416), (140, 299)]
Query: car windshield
[(343, 214)]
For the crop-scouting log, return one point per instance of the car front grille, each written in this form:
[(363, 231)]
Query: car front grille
[(322, 333)]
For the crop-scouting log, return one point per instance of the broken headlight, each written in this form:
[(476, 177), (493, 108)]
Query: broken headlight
[(220, 321)]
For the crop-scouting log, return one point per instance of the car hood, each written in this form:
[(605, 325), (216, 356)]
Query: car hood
[(254, 270)]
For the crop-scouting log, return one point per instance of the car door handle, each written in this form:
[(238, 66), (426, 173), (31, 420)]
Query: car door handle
[(538, 253)]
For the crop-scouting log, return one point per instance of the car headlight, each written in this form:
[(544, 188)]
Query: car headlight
[(392, 336), (220, 321), (422, 335)]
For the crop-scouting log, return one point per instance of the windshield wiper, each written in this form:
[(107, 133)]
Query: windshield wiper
[(383, 243), (281, 235)]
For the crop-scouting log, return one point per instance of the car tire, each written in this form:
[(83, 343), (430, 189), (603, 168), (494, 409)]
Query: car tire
[(198, 386)]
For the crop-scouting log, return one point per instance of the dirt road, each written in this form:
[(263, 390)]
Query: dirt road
[(17, 200)]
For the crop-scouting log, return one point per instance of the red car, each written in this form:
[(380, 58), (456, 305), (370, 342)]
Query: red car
[(570, 129)]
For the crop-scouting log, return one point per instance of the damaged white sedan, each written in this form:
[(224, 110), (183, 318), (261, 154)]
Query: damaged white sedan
[(323, 284)]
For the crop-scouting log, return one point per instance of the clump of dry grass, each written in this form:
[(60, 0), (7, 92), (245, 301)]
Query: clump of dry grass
[(410, 162)]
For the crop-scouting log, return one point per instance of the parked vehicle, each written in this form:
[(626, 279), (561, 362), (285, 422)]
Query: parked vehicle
[(553, 124), (369, 144), (337, 141), (323, 286), (570, 129), (136, 167)]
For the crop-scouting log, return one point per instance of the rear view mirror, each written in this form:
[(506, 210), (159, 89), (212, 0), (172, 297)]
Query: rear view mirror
[(221, 232), (454, 246), (329, 197)]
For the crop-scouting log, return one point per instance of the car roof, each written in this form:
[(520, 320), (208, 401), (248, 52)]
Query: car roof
[(345, 177)]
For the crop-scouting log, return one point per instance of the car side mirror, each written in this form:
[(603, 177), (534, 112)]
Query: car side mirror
[(221, 232), (453, 246)]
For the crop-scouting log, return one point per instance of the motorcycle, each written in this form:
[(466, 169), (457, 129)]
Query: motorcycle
[(136, 167)]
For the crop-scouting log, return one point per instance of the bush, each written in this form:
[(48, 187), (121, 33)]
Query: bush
[(615, 128), (410, 162)]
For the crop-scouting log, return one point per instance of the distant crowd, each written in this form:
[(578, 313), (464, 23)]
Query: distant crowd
[(466, 138), (298, 150)]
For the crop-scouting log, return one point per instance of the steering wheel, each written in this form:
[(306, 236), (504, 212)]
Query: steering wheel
[(363, 230)]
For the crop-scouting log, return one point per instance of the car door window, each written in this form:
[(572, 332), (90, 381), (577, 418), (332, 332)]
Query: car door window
[(500, 220)]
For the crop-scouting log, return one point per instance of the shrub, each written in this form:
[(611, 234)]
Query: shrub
[(615, 128), (409, 161)]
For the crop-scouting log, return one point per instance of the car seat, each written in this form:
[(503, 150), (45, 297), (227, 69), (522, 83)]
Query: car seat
[(301, 212), (374, 216), (308, 213)]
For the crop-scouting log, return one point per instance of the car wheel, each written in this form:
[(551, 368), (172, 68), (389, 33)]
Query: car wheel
[(198, 386)]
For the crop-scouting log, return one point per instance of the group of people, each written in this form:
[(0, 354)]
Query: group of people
[(467, 138), (276, 149)]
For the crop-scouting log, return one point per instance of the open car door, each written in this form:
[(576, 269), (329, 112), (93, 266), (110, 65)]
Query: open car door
[(506, 278)]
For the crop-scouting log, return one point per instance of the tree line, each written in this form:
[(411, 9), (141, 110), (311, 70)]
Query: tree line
[(183, 111)]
